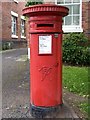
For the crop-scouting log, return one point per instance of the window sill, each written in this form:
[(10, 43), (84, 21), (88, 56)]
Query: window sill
[(67, 29), (16, 1), (14, 14), (23, 37), (14, 36), (23, 17)]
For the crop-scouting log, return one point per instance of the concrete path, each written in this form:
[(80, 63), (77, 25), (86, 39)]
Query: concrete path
[(15, 88)]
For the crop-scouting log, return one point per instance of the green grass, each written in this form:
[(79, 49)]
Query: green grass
[(85, 107), (75, 79)]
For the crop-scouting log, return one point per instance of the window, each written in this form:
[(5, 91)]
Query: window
[(72, 22), (23, 35), (14, 25), (14, 17), (22, 28)]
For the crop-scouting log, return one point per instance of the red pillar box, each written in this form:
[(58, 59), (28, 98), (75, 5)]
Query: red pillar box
[(45, 22)]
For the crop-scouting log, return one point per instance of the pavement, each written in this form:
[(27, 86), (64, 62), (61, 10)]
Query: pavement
[(16, 87)]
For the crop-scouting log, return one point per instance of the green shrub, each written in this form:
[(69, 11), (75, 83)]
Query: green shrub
[(75, 49), (7, 45), (33, 2)]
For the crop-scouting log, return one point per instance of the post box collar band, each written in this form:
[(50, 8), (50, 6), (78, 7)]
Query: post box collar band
[(45, 9)]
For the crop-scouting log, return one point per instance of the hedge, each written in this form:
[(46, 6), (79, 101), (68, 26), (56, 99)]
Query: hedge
[(76, 50)]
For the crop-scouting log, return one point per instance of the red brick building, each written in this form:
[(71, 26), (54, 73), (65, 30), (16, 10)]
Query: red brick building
[(14, 26), (13, 23)]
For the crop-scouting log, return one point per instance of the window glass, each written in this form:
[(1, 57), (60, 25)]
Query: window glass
[(70, 9), (76, 20), (68, 20), (60, 1), (22, 27), (68, 1), (14, 20), (76, 9)]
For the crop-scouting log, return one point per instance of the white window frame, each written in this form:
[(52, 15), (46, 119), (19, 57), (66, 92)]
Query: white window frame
[(22, 18), (13, 14), (73, 28)]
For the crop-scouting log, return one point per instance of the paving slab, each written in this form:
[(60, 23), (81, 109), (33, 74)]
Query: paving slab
[(63, 111)]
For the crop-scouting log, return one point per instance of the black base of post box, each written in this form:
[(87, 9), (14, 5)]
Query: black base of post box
[(40, 112)]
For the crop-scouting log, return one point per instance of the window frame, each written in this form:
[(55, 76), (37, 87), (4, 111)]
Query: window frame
[(73, 28), (14, 15), (23, 19), (14, 25)]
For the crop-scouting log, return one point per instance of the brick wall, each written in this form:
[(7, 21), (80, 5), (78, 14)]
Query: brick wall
[(0, 24), (86, 18), (89, 20), (6, 21), (0, 20), (7, 7)]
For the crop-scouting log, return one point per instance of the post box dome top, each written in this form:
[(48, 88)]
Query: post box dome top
[(45, 9)]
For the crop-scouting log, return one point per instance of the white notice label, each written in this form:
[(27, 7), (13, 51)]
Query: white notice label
[(45, 44)]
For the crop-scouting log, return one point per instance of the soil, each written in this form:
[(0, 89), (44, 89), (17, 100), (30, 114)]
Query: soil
[(74, 101)]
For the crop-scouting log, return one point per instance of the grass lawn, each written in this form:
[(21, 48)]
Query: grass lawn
[(85, 107), (75, 79)]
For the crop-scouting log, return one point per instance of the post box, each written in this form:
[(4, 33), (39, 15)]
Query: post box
[(45, 29)]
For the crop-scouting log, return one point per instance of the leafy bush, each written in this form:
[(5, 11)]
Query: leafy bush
[(33, 2), (75, 49)]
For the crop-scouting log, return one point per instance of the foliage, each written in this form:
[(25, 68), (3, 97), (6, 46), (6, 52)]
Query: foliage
[(7, 45), (75, 49), (75, 79), (33, 2)]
